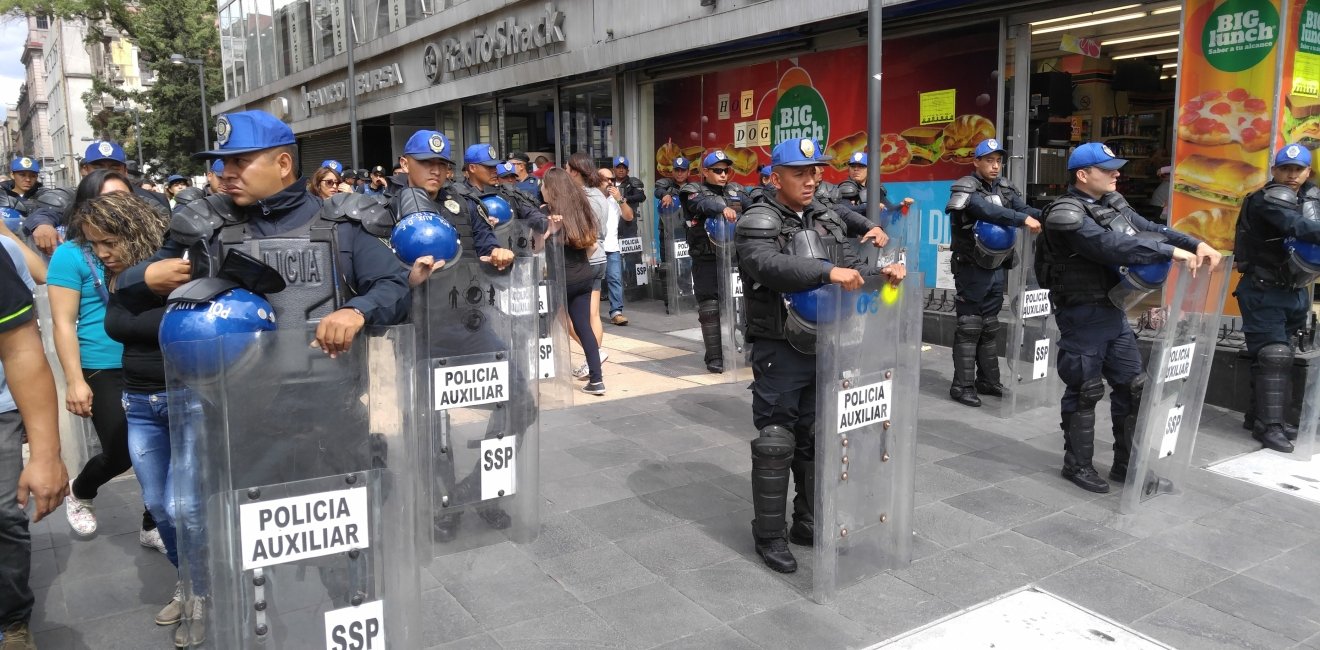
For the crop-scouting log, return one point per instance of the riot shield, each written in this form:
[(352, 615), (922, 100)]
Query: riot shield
[(903, 227), (680, 296), (1309, 420), (78, 439), (477, 332), (294, 481), (554, 359), (867, 370), (1176, 378), (733, 319), (636, 274), (1031, 338)]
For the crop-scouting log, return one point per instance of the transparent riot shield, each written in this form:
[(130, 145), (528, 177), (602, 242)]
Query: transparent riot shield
[(904, 242), (1176, 378), (680, 296), (733, 318), (477, 333), (294, 487), (553, 357), (1309, 420), (636, 276), (1030, 339), (867, 370), (78, 439)]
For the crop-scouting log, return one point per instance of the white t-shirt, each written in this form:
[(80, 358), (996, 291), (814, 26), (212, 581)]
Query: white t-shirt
[(600, 208)]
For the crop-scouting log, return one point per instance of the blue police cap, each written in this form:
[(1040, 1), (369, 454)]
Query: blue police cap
[(333, 165), (622, 160), (218, 167), (245, 132), (680, 163), (505, 169), (480, 154), (1094, 154), (765, 171), (859, 158), (715, 157), (103, 150), (989, 146), (795, 153), (174, 178), (25, 164), (1293, 154), (428, 145)]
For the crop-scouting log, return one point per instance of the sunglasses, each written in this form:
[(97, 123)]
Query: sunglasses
[(719, 170), (329, 182)]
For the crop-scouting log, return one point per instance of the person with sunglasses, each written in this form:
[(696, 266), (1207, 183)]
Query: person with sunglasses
[(715, 196), (325, 183)]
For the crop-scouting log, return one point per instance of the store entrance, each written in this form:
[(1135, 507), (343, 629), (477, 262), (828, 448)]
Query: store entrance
[(586, 121), (528, 124)]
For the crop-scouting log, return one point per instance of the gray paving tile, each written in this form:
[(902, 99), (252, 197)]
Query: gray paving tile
[(104, 555), (1292, 615), (49, 612), (114, 593), (949, 526), (643, 425), (999, 507), (566, 495), (739, 485), (1230, 550), (1262, 528), (624, 518), (680, 548), (1075, 535), (652, 615), (722, 637), (1297, 570), (562, 533), (933, 448), (982, 466), (961, 430), (1189, 624), (1165, 567), (499, 585), (958, 579), (647, 476), (597, 572), (888, 606), (481, 641), (1047, 488), (131, 630), (733, 589), (64, 638), (802, 624), (444, 619), (936, 482), (575, 627), (1108, 591), (715, 462), (1105, 511), (45, 568), (1017, 554), (670, 440), (559, 464), (1287, 508), (579, 432), (695, 501), (611, 453)]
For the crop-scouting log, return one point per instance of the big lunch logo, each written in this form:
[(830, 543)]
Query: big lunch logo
[(800, 111), (1239, 34)]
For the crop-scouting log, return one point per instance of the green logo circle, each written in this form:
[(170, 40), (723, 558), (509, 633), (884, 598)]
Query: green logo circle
[(1239, 34), (800, 112), (1308, 37)]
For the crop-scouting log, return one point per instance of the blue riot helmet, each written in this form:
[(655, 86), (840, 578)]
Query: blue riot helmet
[(210, 328), (1303, 261), (498, 209), (421, 230), (720, 231), (1138, 281), (13, 219), (807, 309), (994, 243)]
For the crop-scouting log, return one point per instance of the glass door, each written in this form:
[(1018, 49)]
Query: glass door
[(527, 124), (586, 121)]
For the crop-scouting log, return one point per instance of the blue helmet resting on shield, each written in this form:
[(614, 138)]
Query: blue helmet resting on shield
[(421, 230), (13, 219), (1303, 261), (994, 243), (720, 230), (498, 209), (1137, 281)]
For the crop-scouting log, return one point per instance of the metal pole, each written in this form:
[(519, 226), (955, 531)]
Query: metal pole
[(206, 131), (352, 92), (137, 119), (873, 128)]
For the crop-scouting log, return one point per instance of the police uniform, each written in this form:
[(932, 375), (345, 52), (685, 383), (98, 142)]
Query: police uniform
[(634, 193), (854, 194), (702, 201), (1084, 241), (531, 186), (782, 252), (979, 276), (1272, 295), (756, 194), (49, 209), (524, 208)]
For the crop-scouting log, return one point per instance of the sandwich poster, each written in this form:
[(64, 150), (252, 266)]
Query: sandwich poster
[(1299, 113), (1225, 112)]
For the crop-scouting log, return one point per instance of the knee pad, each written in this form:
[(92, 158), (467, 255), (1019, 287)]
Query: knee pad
[(1090, 393), (1135, 389), (1275, 355), (708, 311), (990, 325), (774, 443), (971, 325)]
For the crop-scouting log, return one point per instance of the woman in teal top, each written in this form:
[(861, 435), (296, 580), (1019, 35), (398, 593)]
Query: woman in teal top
[(91, 360)]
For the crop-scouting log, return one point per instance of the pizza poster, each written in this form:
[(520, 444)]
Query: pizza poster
[(822, 95), (1299, 112), (1224, 113)]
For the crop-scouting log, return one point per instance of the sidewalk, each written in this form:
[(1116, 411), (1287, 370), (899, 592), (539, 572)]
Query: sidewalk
[(646, 539)]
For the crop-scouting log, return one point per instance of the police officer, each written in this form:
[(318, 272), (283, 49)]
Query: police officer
[(979, 273), (633, 192), (853, 217), (782, 245), (1089, 232), (716, 196), (44, 220), (756, 194), (528, 183), (213, 173), (666, 187), (1278, 225), (377, 181), (480, 179), (24, 185), (341, 274), (852, 192)]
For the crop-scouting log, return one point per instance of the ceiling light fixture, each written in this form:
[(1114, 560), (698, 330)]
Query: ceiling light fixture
[(1138, 55), (1089, 23), (1170, 65), (1167, 10), (1142, 37), (1085, 15)]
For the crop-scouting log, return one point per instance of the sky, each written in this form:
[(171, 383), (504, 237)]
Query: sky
[(12, 75)]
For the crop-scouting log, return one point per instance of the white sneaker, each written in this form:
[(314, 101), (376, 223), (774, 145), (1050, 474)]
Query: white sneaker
[(151, 539), (604, 355), (581, 372), (81, 514)]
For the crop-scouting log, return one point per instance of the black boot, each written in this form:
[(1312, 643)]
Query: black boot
[(1079, 447), (708, 314), (772, 455), (987, 359), (446, 526), (1125, 431), (1249, 423), (965, 339), (1271, 377), (1273, 436), (803, 530)]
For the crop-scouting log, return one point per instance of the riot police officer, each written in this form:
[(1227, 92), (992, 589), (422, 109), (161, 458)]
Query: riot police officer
[(852, 192), (666, 187), (529, 184), (715, 197), (1091, 235), (480, 180), (982, 205), (1277, 235), (25, 184), (788, 243), (756, 194), (854, 217)]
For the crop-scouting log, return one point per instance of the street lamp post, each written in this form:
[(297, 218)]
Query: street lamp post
[(179, 59)]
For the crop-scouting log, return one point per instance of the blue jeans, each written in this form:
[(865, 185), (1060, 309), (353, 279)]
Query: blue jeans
[(614, 281), (16, 598), (184, 499), (149, 449)]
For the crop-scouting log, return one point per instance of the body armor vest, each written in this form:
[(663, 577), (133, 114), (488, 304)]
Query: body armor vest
[(961, 240), (1072, 279), (1259, 249), (731, 195), (850, 192), (767, 314), (306, 257)]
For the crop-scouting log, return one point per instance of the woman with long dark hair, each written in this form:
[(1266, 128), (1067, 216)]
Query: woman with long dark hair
[(571, 216), (586, 175)]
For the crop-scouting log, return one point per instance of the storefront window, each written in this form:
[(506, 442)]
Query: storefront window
[(586, 121), (529, 123), (262, 30), (293, 23), (227, 48), (238, 44), (329, 29), (478, 124)]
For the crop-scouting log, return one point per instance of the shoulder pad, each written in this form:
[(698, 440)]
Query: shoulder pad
[(188, 195), (849, 189), (1115, 201), (692, 188), (8, 200), (59, 198), (1310, 192), (1280, 195), (1066, 213), (195, 221), (464, 190), (361, 208), (966, 184), (759, 222)]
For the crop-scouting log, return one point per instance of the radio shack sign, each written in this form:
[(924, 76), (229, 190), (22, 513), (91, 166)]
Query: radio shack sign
[(504, 38), (386, 76)]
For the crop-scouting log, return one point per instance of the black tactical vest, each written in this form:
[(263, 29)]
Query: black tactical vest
[(1258, 249), (961, 239), (732, 196), (307, 258), (1072, 279)]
